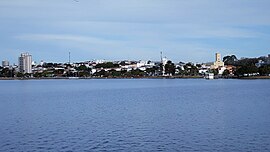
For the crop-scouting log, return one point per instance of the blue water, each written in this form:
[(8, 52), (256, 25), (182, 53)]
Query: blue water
[(135, 115)]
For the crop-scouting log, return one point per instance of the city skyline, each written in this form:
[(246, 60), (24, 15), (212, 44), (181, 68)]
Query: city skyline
[(184, 31), (218, 57)]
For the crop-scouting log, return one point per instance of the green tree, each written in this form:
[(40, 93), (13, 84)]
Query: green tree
[(83, 71), (107, 65), (38, 75), (134, 73), (170, 68), (81, 68), (264, 70), (6, 72), (151, 71), (102, 73), (181, 71), (48, 65), (83, 74), (190, 70), (58, 72), (215, 71), (230, 60), (20, 75), (226, 73), (250, 69), (115, 73), (137, 72), (247, 62)]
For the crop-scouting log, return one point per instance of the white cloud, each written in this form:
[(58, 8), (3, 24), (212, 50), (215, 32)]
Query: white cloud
[(64, 38)]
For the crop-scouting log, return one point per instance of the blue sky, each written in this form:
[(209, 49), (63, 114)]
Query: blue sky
[(184, 30)]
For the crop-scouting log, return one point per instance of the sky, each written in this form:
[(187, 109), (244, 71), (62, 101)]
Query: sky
[(192, 30)]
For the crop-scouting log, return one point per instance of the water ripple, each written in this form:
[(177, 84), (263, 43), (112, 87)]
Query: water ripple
[(174, 115)]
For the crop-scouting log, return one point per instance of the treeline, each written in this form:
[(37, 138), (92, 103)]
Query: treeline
[(241, 67), (247, 66)]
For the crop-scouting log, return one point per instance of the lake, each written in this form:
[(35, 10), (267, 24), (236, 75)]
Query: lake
[(135, 115)]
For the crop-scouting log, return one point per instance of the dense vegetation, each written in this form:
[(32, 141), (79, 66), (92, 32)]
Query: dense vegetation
[(241, 67), (247, 66)]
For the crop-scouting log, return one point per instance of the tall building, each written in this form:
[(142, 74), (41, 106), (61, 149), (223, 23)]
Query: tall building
[(25, 63), (5, 63), (218, 57), (218, 63)]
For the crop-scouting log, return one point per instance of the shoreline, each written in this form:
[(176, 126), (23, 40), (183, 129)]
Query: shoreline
[(150, 77), (76, 78), (255, 77)]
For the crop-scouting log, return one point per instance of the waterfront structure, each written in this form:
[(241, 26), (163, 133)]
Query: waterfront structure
[(210, 76), (25, 63), (5, 63), (218, 62)]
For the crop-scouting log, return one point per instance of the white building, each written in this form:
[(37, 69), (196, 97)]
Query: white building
[(145, 64), (260, 63), (100, 61), (5, 63), (210, 76), (205, 67), (141, 64), (164, 62), (25, 63), (221, 70), (41, 63)]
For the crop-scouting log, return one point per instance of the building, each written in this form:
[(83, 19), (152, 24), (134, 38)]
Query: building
[(205, 67), (210, 76), (42, 63), (25, 63), (164, 62), (221, 70), (260, 63), (231, 69), (5, 63), (218, 62)]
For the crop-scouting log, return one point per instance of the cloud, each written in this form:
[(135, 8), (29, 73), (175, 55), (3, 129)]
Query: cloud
[(140, 11), (136, 28), (166, 29), (64, 38)]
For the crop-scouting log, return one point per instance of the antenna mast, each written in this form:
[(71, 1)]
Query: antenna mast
[(68, 57), (161, 56)]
